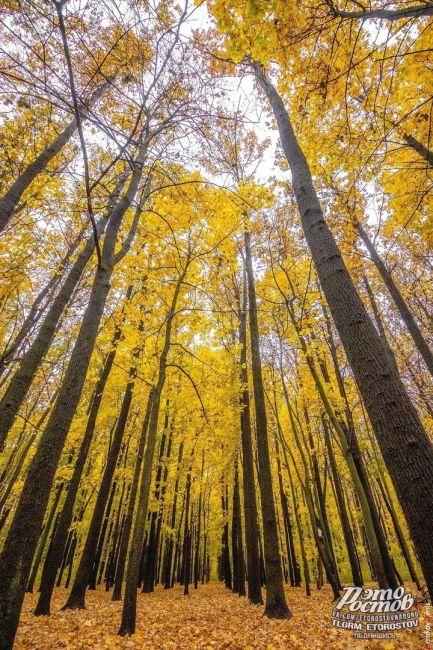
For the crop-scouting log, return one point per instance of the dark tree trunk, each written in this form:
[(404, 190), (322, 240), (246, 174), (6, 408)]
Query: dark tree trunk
[(276, 606), (152, 546), (54, 556), (342, 511), (117, 591), (10, 200), (249, 489), (225, 545), (199, 526), (76, 599), (288, 532), (321, 509), (237, 538), (317, 526), (187, 538), (399, 301), (168, 574), (305, 566), (20, 544), (405, 446), (127, 625)]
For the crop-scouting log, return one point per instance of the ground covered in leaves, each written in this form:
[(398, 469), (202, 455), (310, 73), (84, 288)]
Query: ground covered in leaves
[(211, 618)]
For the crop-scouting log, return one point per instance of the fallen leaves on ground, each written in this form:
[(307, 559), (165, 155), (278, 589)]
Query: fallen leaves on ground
[(211, 618)]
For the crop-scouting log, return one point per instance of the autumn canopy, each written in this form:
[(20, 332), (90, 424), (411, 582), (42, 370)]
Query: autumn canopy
[(216, 320)]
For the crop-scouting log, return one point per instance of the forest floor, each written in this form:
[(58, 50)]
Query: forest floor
[(211, 618)]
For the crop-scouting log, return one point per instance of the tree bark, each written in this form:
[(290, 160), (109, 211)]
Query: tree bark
[(24, 375), (20, 544), (405, 446), (10, 200), (127, 625), (342, 511), (54, 555), (276, 606), (237, 538), (249, 489), (168, 574), (400, 303), (117, 591)]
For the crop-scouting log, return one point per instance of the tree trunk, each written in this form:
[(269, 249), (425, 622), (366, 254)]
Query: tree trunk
[(187, 538), (305, 566), (168, 581), (127, 625), (10, 200), (342, 511), (152, 545), (76, 599), (249, 488), (237, 541), (54, 555), (276, 606), (400, 303), (20, 544), (117, 591), (291, 553), (405, 446), (225, 547)]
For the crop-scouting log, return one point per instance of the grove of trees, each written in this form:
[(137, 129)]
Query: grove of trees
[(216, 323)]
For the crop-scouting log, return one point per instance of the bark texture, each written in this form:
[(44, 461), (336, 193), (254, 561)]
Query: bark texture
[(406, 449)]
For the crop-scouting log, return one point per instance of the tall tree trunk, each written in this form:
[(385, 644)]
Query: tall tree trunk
[(25, 373), (168, 581), (276, 606), (317, 526), (237, 539), (10, 200), (20, 544), (342, 511), (54, 555), (406, 449), (187, 538), (199, 526), (249, 489), (152, 545), (321, 509), (291, 553), (305, 566), (120, 571), (127, 625), (76, 599), (225, 546), (399, 301)]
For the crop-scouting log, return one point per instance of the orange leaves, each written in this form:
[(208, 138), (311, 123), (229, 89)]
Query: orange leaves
[(211, 618)]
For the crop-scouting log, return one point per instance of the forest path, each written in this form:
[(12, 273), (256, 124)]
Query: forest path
[(211, 618)]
